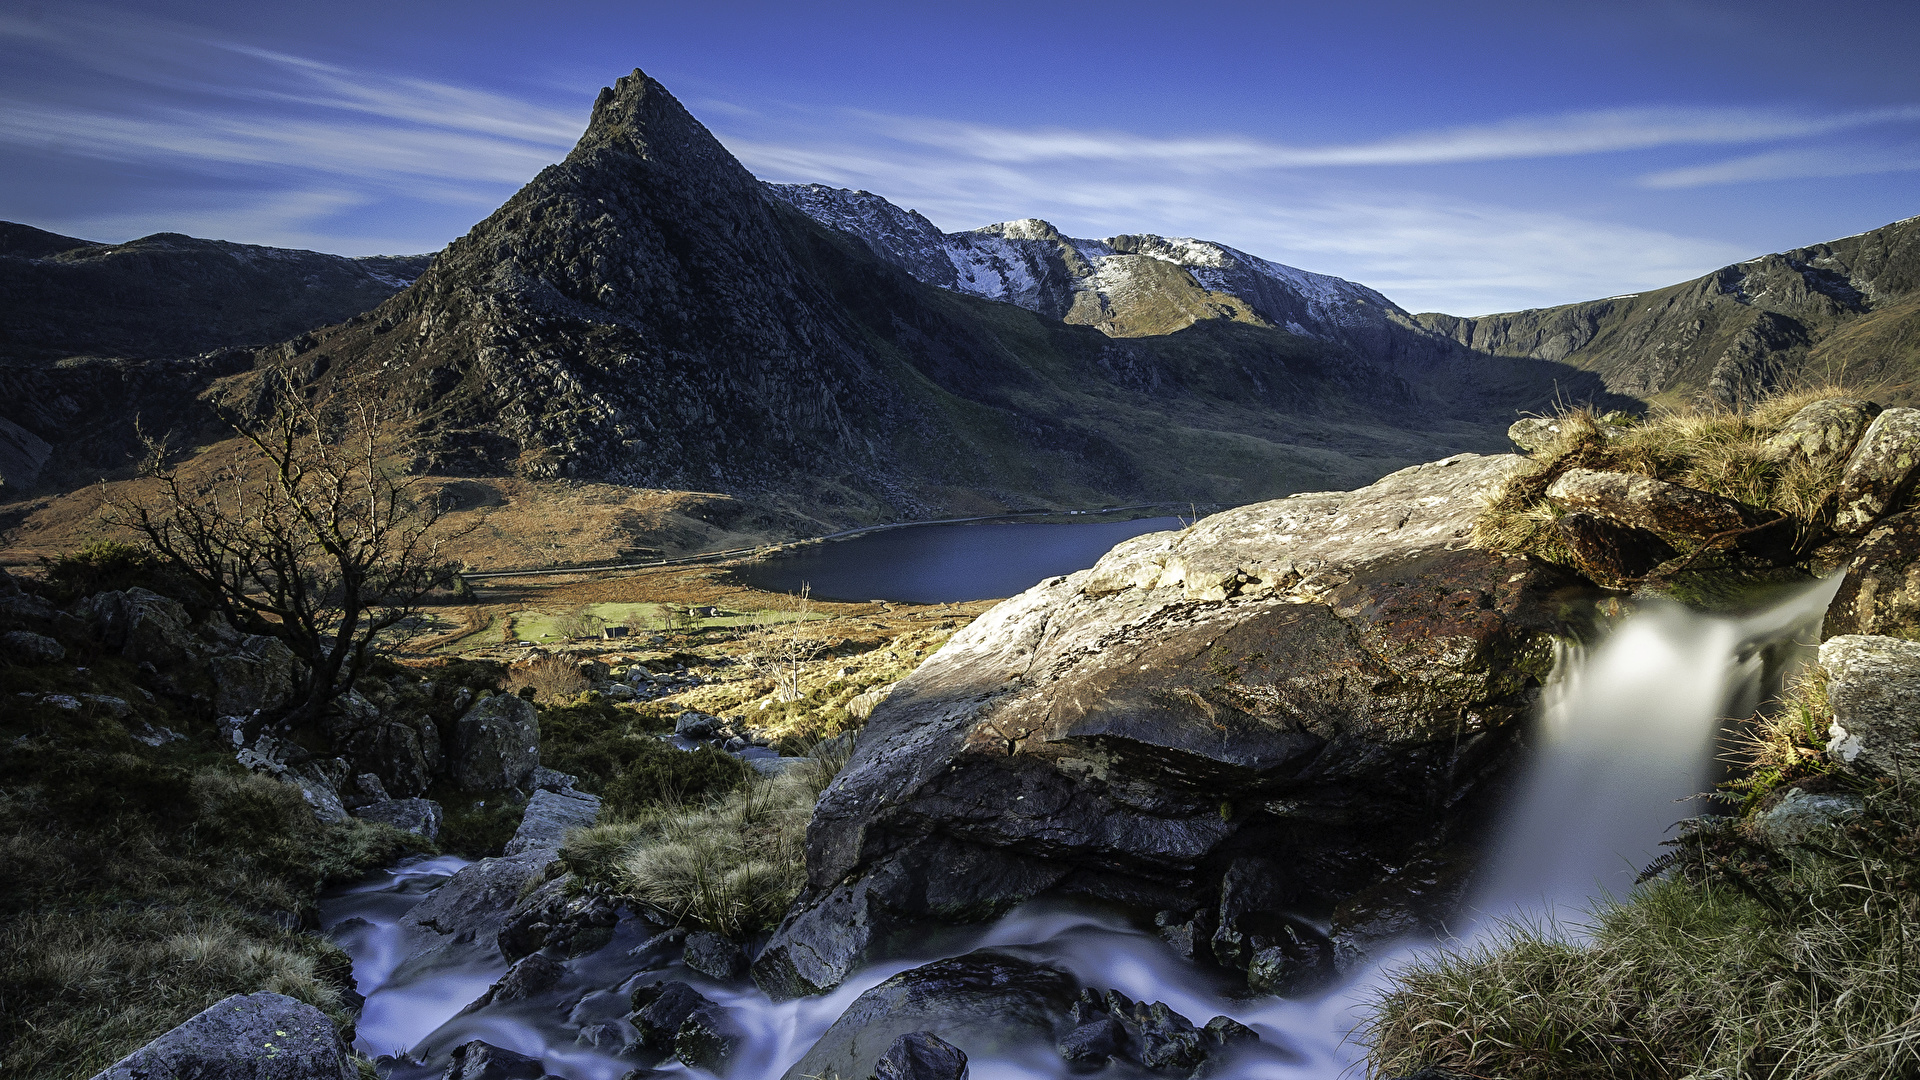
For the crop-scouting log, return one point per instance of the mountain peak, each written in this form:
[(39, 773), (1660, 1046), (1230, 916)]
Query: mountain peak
[(1024, 229)]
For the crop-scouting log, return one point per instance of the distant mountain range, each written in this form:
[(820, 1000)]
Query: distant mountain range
[(647, 313)]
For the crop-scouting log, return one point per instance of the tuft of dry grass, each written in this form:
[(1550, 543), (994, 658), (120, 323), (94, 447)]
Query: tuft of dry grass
[(1708, 448), (731, 865), (553, 678)]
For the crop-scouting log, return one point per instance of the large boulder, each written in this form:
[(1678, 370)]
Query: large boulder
[(144, 626), (1322, 680), (1873, 686), (1881, 592), (244, 1037), (1642, 502), (496, 744), (25, 646), (1882, 471), (257, 675)]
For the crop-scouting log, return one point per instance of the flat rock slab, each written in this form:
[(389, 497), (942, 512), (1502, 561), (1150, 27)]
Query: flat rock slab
[(549, 816), (245, 1037), (463, 918)]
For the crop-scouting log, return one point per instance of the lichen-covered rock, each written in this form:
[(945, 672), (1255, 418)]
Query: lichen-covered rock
[(1322, 680), (1803, 818), (1881, 592), (1533, 434), (1822, 433), (708, 1038), (1881, 472), (244, 1037), (257, 675), (1873, 686), (549, 816), (496, 744), (1641, 502), (421, 817), (25, 646)]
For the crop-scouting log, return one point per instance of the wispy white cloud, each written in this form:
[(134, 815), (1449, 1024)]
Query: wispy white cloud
[(1568, 134), (1791, 164)]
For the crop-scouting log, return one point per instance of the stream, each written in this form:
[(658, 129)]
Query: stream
[(1627, 732)]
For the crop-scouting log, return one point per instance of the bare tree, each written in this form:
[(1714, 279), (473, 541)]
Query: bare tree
[(785, 644), (315, 531)]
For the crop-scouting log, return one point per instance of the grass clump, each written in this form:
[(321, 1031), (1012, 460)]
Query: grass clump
[(731, 864), (1711, 449)]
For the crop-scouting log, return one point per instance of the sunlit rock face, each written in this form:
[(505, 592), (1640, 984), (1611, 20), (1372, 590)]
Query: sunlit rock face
[(1317, 683)]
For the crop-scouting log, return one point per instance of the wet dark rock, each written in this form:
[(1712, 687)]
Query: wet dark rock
[(1092, 1043), (29, 647), (1873, 686), (420, 817), (479, 1060), (708, 1038), (244, 1037), (1226, 1031), (549, 816), (1169, 1041), (714, 956), (496, 744), (660, 1010), (1611, 553), (921, 1055), (1881, 472), (528, 977), (554, 916), (1321, 680), (612, 1035), (980, 1002), (463, 918), (1881, 592)]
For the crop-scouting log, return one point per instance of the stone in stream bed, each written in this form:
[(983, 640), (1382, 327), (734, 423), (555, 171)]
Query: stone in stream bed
[(479, 1060), (660, 1009), (921, 1055), (244, 1037), (714, 956)]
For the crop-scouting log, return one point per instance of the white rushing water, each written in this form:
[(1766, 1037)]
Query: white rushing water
[(1627, 730)]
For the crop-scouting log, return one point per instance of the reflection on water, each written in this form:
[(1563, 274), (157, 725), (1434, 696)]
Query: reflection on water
[(945, 564)]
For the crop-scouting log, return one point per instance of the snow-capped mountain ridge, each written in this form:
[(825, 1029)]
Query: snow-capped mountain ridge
[(1126, 285)]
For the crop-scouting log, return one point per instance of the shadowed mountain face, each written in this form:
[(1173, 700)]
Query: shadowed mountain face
[(644, 312), (169, 295), (1847, 309)]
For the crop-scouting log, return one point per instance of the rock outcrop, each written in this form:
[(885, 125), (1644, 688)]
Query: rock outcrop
[(244, 1037), (496, 744), (1881, 592), (1320, 681)]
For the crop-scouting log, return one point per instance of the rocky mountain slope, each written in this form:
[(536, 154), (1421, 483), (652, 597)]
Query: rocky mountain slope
[(1126, 286), (644, 313), (1849, 309), (169, 295)]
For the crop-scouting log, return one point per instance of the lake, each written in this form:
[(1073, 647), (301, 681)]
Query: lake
[(945, 564)]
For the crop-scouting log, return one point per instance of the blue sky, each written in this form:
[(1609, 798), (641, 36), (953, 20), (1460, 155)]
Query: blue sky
[(1463, 157)]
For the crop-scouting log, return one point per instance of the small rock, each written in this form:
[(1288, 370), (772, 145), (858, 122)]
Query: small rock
[(1803, 818), (613, 1035), (244, 1037), (545, 779), (1170, 1040), (922, 1055), (1874, 688), (714, 956), (862, 705), (1881, 471), (118, 708), (1822, 433), (478, 1060), (660, 1009), (696, 725), (33, 648), (370, 786), (708, 1038), (1226, 1031), (1534, 433), (421, 817), (1092, 1043)]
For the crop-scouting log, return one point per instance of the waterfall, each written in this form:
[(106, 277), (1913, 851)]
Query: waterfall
[(1628, 727), (1627, 731)]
